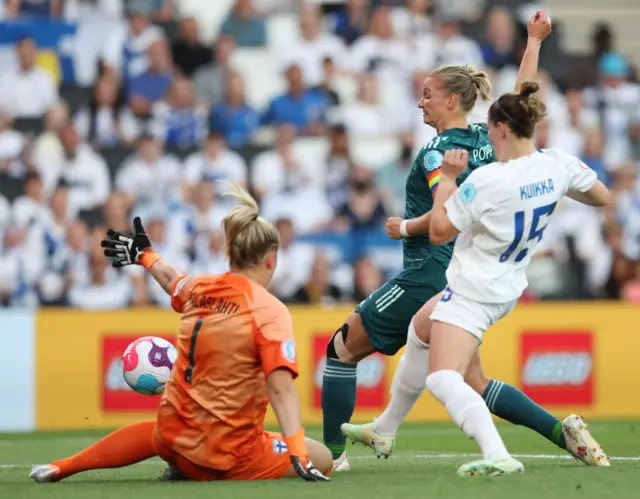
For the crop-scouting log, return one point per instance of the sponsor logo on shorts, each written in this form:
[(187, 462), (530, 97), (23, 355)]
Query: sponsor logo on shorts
[(371, 381), (116, 394), (557, 368)]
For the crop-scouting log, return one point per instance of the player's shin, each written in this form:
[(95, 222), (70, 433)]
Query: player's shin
[(510, 404), (407, 386), (338, 402), (467, 409), (129, 445)]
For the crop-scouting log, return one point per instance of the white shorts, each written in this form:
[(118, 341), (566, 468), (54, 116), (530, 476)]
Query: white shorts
[(470, 315)]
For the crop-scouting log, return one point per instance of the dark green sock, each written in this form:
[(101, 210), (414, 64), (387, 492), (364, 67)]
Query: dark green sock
[(338, 402), (510, 404)]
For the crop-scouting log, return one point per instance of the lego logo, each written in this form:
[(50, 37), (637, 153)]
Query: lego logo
[(370, 372), (114, 380), (552, 369)]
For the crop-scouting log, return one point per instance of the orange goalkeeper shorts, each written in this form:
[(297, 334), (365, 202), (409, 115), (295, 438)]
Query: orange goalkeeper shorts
[(269, 461)]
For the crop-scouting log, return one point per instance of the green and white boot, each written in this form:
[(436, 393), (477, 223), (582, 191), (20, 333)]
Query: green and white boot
[(364, 434), (488, 467)]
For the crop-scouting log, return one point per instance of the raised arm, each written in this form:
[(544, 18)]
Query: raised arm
[(127, 250), (538, 28)]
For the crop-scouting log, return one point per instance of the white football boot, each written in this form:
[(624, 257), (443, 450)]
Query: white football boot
[(44, 473), (486, 467), (581, 444), (364, 434), (341, 464)]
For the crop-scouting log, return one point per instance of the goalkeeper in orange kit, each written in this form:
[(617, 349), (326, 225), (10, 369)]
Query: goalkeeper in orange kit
[(235, 355)]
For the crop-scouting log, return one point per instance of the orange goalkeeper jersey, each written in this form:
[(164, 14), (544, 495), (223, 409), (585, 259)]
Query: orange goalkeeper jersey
[(233, 334)]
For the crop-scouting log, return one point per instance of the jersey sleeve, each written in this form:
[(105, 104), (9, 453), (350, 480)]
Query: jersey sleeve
[(581, 177), (431, 166), (274, 338), (469, 201), (181, 292)]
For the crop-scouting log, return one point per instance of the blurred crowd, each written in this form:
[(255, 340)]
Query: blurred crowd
[(313, 109)]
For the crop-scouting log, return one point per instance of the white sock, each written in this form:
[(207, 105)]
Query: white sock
[(468, 410), (407, 386)]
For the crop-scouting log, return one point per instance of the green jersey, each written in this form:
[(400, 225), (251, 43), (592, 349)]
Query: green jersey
[(424, 177)]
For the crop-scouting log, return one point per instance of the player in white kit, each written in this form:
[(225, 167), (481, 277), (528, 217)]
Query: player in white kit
[(499, 215)]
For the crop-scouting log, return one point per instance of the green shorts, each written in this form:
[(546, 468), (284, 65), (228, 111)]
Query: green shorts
[(387, 312)]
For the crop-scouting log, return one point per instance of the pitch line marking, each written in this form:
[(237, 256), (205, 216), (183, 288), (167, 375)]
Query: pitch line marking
[(404, 456)]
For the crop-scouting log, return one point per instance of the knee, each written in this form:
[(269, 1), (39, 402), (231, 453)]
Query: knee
[(440, 383), (336, 348), (320, 456)]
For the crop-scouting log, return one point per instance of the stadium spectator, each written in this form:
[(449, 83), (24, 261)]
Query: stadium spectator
[(125, 51), (12, 145), (368, 116), (178, 119), (631, 290), (149, 177), (338, 167), (68, 244), (27, 91), (379, 51), (5, 213), (592, 154), (245, 26), (468, 10), (300, 106), (286, 202), (276, 169), (21, 264), (105, 289), (115, 212), (188, 53), (210, 257), (215, 162), (31, 208), (289, 277), (363, 209), (351, 21), (319, 290), (314, 46), (99, 122), (82, 169), (452, 47), (366, 279), (498, 49), (205, 213), (585, 73), (413, 20), (327, 85), (209, 80), (392, 178), (39, 9), (616, 101), (153, 84), (59, 219), (234, 117), (47, 147)]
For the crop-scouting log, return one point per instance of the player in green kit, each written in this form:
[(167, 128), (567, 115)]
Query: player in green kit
[(381, 322)]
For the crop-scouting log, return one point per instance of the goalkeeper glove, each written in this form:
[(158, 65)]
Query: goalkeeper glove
[(127, 250), (300, 461)]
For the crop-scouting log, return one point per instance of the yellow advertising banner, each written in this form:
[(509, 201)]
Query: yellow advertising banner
[(568, 357)]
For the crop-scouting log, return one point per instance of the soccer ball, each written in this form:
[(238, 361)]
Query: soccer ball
[(147, 364)]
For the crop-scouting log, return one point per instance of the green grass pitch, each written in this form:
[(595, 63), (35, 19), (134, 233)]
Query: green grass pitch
[(423, 466)]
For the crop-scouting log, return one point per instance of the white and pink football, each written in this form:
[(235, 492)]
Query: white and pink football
[(147, 364)]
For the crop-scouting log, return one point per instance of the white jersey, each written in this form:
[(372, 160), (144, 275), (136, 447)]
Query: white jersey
[(502, 210)]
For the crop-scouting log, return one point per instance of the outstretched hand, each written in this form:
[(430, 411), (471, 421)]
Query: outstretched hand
[(539, 26), (124, 249)]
